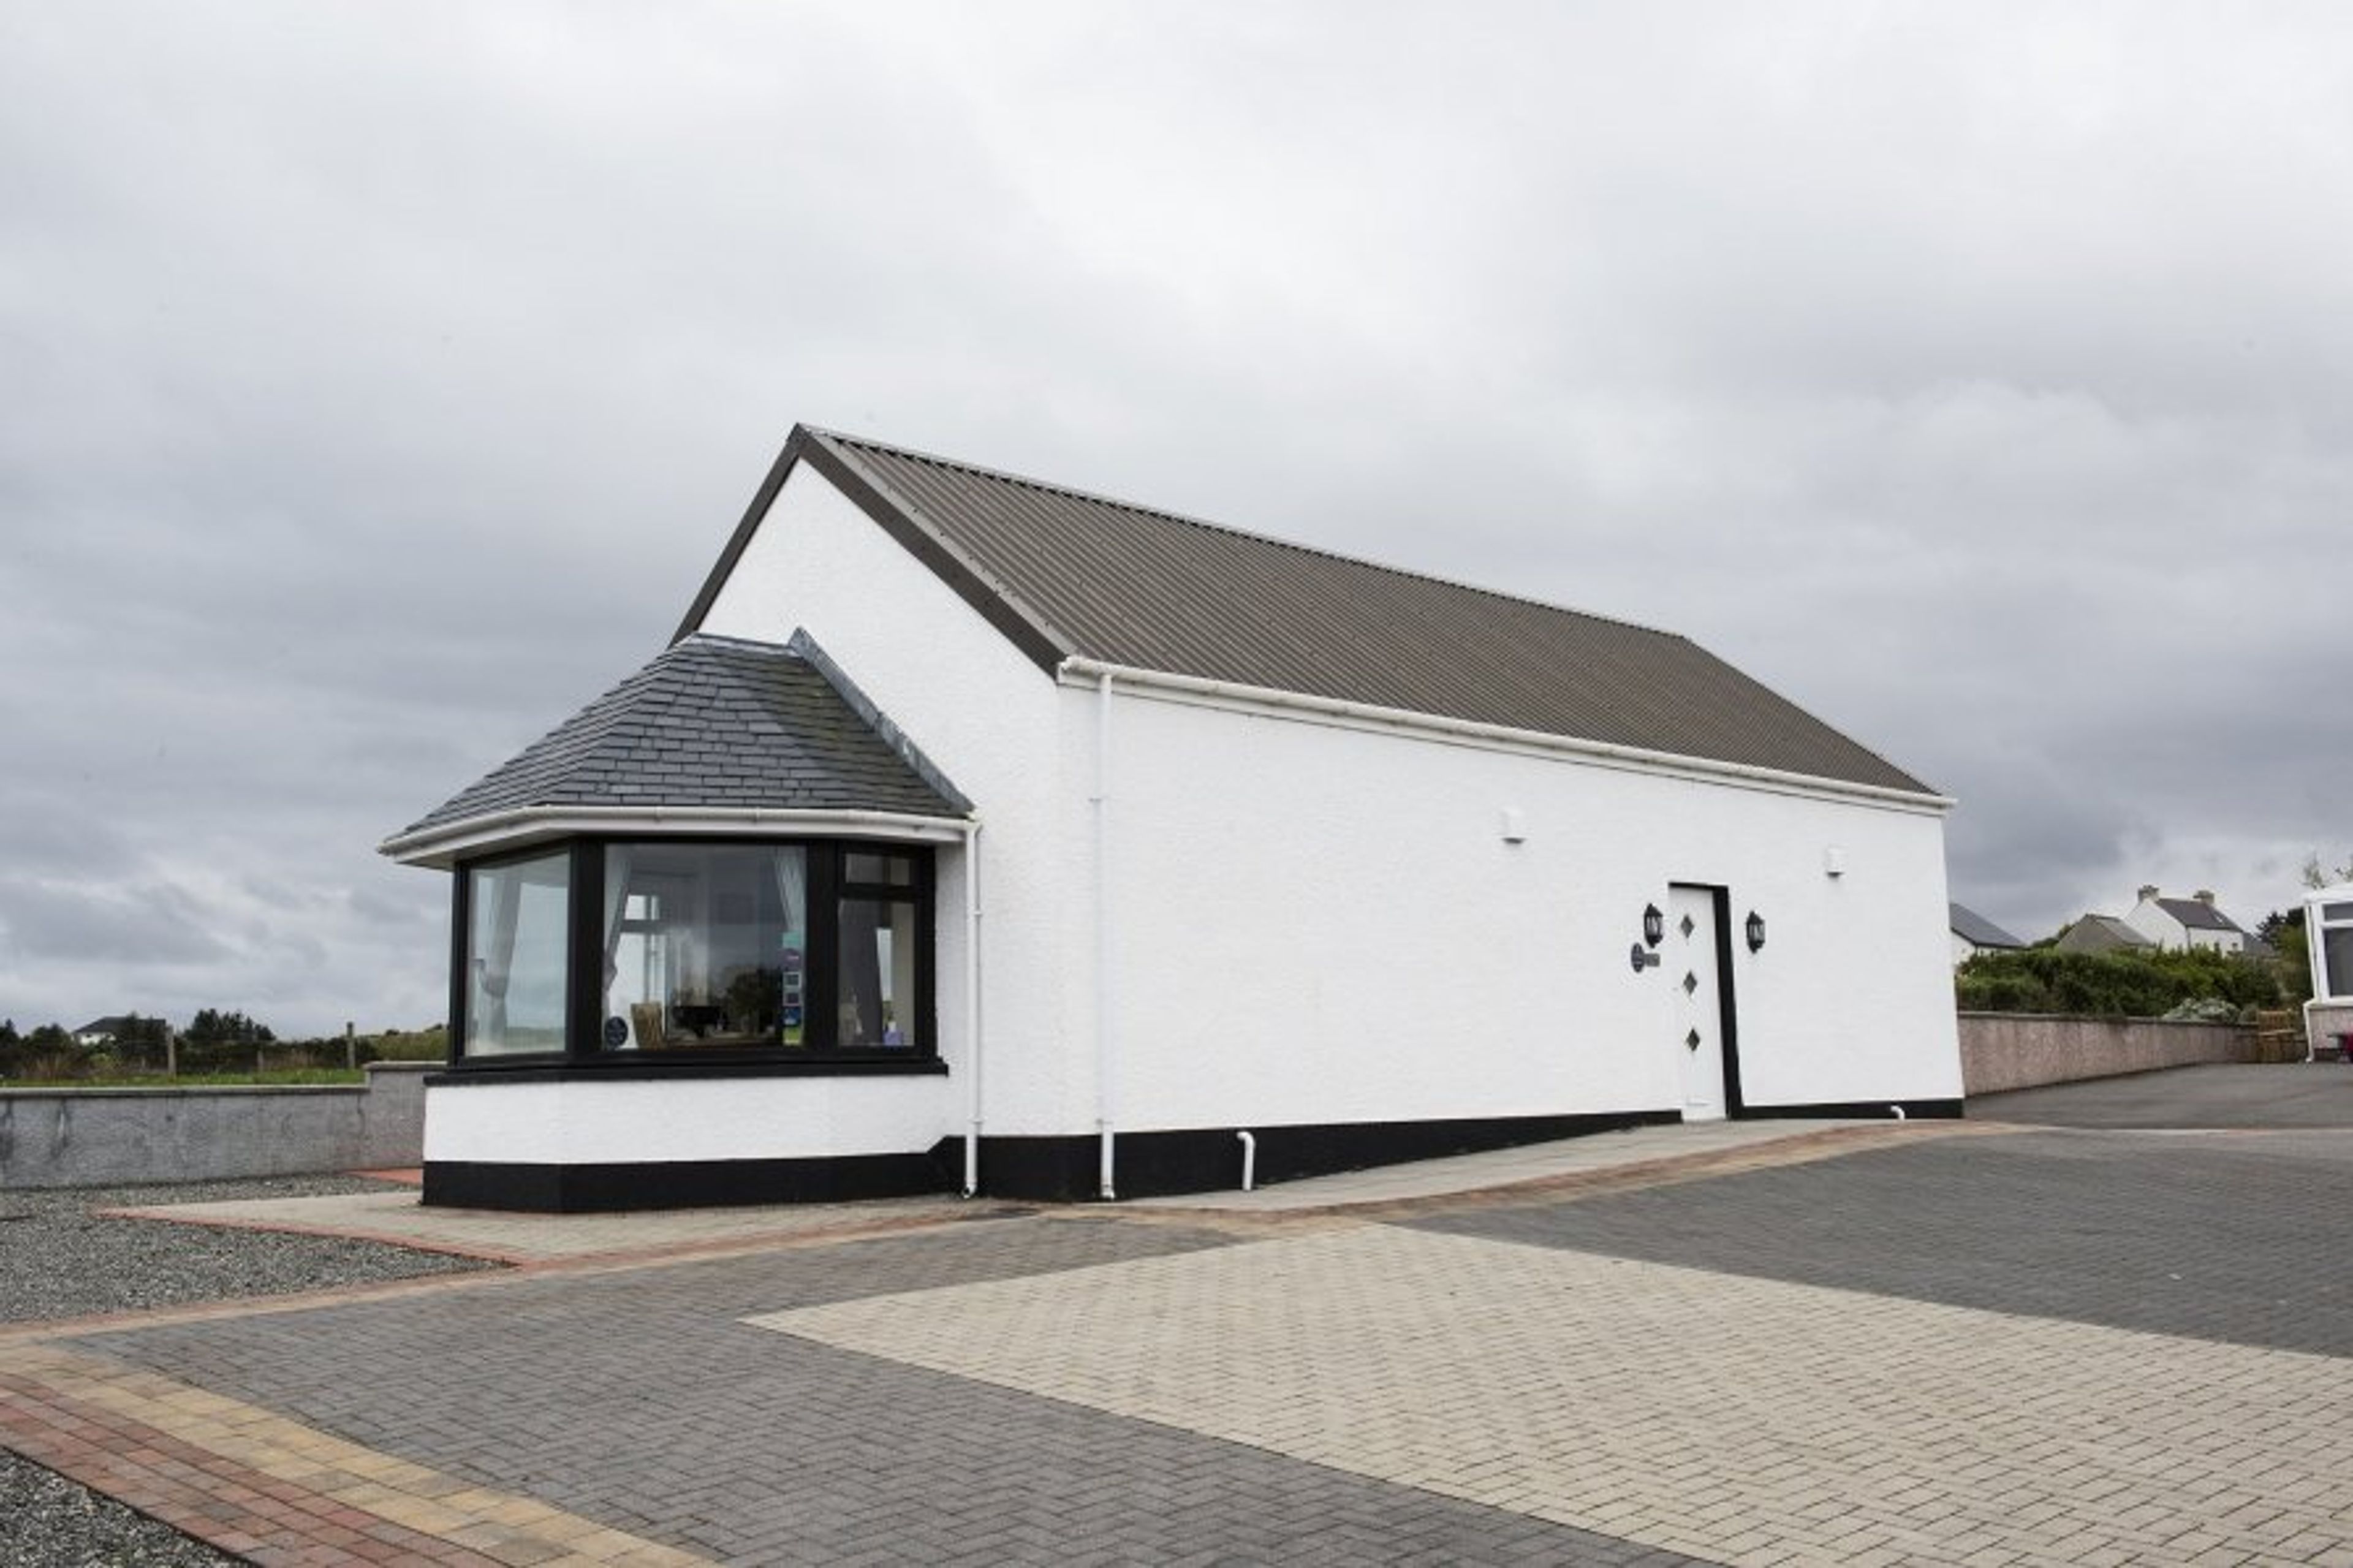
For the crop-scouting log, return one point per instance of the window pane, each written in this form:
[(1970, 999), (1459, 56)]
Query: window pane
[(515, 968), (705, 945), (888, 871), (876, 994), (2336, 958), (2331, 913)]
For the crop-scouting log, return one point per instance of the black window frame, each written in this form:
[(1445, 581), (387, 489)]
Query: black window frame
[(584, 1049), (462, 949)]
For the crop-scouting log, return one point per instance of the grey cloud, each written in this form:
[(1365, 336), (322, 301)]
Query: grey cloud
[(147, 924), (380, 388)]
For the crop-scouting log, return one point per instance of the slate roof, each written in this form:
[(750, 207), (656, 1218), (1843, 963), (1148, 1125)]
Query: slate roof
[(2197, 914), (714, 721), (1062, 572), (1979, 932), (2100, 934)]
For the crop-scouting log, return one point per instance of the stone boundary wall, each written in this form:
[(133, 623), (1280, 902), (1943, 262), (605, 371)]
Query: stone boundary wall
[(121, 1137), (2021, 1050)]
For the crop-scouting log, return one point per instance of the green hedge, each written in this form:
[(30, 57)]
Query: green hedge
[(2132, 984)]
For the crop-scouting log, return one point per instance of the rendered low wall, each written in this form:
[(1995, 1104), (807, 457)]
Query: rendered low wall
[(110, 1137), (2021, 1050)]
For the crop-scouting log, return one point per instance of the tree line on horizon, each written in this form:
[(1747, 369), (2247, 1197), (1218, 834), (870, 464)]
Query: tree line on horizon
[(214, 1040)]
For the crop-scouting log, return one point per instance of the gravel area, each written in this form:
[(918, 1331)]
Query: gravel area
[(47, 1522), (59, 1259)]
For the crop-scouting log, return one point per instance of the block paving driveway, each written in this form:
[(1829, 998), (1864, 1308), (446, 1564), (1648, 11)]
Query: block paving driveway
[(1979, 1343)]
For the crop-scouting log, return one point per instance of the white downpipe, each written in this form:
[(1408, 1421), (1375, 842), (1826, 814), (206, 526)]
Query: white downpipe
[(1104, 1099), (1899, 1112), (972, 1008), (1249, 1160)]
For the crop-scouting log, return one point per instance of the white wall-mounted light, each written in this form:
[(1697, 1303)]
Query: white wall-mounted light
[(1834, 861), (1515, 826)]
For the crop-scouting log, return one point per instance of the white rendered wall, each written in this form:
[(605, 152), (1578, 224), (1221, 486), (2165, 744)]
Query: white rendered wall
[(1317, 924), (1308, 923), (986, 716), (653, 1122)]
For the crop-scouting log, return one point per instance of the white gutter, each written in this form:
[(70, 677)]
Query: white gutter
[(1104, 1099), (442, 845), (972, 1007), (1272, 701)]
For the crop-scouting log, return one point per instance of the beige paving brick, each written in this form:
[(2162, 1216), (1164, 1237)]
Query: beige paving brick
[(1744, 1420)]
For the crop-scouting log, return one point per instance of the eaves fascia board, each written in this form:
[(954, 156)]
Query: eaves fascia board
[(899, 517), (441, 846), (762, 499), (1273, 702)]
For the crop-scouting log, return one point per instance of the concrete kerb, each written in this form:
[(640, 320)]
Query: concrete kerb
[(1797, 1146)]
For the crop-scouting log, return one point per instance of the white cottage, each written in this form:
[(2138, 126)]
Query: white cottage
[(975, 833), (2185, 923)]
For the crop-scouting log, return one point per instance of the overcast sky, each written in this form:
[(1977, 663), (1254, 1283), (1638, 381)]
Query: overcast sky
[(378, 383)]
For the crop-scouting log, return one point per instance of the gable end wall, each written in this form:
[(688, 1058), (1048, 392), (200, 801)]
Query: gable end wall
[(985, 714)]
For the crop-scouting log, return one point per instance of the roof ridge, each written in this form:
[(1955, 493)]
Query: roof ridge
[(1098, 498)]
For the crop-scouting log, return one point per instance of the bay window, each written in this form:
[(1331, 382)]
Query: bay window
[(680, 949)]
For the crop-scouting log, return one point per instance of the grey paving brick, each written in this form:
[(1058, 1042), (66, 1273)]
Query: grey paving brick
[(638, 1400), (2231, 1236)]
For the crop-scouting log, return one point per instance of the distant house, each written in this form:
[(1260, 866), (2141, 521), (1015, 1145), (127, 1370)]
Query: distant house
[(103, 1031), (2182, 923), (1974, 934), (2100, 934)]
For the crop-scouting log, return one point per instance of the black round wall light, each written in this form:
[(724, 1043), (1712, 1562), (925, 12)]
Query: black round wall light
[(1654, 925), (1755, 931)]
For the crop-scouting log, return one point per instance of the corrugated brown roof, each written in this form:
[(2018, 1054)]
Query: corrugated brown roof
[(1063, 573)]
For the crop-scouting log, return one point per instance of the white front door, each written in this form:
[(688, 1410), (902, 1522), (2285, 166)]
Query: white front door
[(1691, 968)]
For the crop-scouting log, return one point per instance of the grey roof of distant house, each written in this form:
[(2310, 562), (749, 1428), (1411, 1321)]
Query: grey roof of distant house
[(713, 722), (1979, 932), (113, 1024), (2197, 914), (2099, 934), (1064, 573)]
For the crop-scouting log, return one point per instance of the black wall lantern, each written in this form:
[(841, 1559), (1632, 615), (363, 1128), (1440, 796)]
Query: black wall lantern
[(1654, 924), (1755, 931)]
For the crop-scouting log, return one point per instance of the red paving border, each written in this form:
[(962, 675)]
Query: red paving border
[(217, 1500)]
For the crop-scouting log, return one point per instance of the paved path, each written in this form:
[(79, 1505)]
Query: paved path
[(1538, 1163), (1936, 1343), (2272, 1096), (399, 1217)]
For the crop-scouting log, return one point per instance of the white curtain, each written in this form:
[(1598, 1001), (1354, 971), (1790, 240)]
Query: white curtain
[(506, 906), (792, 888), (618, 862)]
